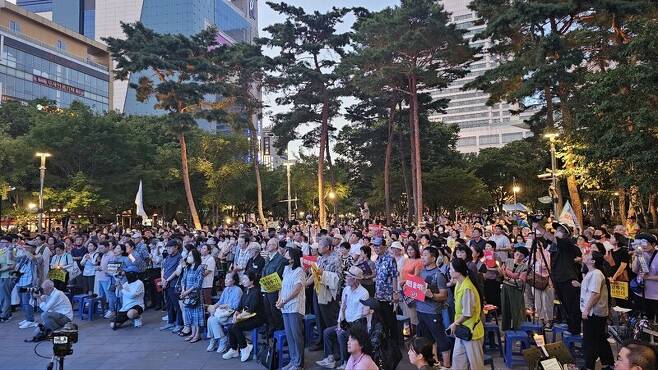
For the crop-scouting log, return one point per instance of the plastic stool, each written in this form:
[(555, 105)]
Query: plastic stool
[(79, 299), (491, 328), (280, 337), (532, 328), (310, 324), (253, 336), (511, 338), (88, 307), (559, 328), (570, 341), (488, 360)]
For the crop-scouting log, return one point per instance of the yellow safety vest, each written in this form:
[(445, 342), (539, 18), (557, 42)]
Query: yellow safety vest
[(477, 329)]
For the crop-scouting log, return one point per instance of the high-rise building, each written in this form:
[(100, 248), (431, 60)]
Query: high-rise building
[(237, 21), (268, 151), (481, 126), (40, 58)]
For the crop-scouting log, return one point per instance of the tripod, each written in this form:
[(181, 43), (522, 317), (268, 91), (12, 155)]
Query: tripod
[(56, 363)]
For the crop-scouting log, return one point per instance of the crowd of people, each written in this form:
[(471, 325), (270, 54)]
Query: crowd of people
[(218, 283)]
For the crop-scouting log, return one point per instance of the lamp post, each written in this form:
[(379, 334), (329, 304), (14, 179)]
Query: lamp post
[(551, 137), (288, 164), (42, 175), (515, 189)]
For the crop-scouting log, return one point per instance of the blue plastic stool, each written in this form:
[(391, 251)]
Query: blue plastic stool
[(280, 337), (254, 337), (559, 328), (310, 324), (570, 341), (489, 342), (89, 306), (532, 328), (79, 299), (511, 338)]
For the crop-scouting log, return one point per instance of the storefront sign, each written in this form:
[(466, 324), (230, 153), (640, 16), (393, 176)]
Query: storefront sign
[(58, 85)]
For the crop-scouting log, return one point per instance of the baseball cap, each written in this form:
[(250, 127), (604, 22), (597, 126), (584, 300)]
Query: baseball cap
[(136, 235), (646, 236), (370, 302), (377, 241), (132, 268)]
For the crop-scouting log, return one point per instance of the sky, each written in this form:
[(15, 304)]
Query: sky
[(266, 17)]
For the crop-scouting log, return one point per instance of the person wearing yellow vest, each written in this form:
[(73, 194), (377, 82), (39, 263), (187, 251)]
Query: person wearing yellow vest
[(466, 354)]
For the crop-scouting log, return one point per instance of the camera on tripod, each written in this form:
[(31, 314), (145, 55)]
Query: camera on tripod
[(31, 290), (63, 339)]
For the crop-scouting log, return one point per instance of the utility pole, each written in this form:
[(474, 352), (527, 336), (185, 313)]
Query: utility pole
[(42, 176)]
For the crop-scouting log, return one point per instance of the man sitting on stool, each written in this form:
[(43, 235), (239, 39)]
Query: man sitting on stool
[(57, 311), (132, 298)]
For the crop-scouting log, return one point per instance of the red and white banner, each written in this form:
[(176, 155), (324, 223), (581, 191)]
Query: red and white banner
[(415, 287)]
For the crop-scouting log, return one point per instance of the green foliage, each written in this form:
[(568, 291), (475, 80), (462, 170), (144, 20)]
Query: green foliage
[(452, 188)]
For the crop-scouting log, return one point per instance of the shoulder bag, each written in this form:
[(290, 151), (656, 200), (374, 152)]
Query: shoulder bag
[(463, 332)]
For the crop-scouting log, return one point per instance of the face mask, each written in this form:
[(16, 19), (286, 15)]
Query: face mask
[(190, 259), (596, 237), (559, 234), (184, 253), (131, 277)]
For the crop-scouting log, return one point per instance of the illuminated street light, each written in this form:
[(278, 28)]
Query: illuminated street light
[(42, 176)]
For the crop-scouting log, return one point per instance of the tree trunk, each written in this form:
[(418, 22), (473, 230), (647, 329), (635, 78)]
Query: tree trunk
[(622, 205), (652, 209), (254, 153), (419, 171), (387, 166), (572, 185), (405, 181), (332, 178), (412, 159), (324, 131), (576, 202), (186, 181)]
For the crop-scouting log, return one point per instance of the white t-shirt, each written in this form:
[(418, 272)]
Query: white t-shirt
[(290, 279), (351, 298), (594, 282), (209, 263)]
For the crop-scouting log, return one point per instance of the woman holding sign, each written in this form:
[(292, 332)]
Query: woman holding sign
[(61, 261)]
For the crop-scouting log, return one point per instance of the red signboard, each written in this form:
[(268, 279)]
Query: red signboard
[(489, 259), (308, 261), (58, 85), (415, 287)]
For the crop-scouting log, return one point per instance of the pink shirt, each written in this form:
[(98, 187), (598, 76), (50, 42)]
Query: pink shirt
[(361, 362)]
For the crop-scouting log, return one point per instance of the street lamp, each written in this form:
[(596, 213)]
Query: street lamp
[(42, 175), (552, 137), (515, 188), (288, 164)]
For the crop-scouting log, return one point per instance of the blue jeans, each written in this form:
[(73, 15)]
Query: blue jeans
[(335, 340), (293, 324), (54, 320), (174, 311), (6, 285), (108, 294), (26, 307)]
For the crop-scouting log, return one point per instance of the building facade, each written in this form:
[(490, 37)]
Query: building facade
[(481, 126), (237, 21), (41, 59), (268, 151)]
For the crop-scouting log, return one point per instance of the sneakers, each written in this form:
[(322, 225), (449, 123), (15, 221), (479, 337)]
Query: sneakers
[(165, 318), (232, 353), (108, 314), (328, 362), (166, 327), (341, 367), (176, 329), (28, 324), (5, 319), (222, 348), (212, 345), (245, 352), (137, 323), (22, 322)]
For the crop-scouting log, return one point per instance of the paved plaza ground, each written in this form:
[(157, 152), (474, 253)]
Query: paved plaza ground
[(144, 348)]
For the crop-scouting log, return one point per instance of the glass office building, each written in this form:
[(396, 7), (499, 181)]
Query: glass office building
[(40, 59)]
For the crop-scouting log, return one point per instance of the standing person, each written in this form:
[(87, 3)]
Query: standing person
[(78, 251), (6, 281), (367, 265), (492, 277), (503, 244), (62, 260), (412, 265), (541, 299), (467, 354), (89, 263), (168, 275), (386, 288), (292, 303), (27, 269), (325, 294), (275, 264), (208, 263), (421, 355), (103, 277), (43, 254), (430, 322), (248, 316), (594, 308), (191, 289), (514, 273), (648, 297), (564, 273), (621, 260), (476, 238)]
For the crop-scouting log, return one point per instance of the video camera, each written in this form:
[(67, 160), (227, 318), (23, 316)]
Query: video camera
[(63, 339), (32, 290)]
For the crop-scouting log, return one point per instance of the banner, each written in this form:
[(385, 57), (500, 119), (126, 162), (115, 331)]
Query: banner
[(308, 261), (57, 274), (489, 259), (317, 277), (568, 216), (415, 287), (375, 230), (271, 283), (619, 289), (139, 202)]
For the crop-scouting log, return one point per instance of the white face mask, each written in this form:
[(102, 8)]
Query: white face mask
[(190, 259), (184, 253), (559, 234)]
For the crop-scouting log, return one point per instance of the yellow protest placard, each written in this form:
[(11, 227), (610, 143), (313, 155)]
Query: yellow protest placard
[(271, 283), (619, 289), (57, 274), (315, 271)]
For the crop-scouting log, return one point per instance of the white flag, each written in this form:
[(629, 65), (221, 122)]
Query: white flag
[(139, 202), (568, 216)]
